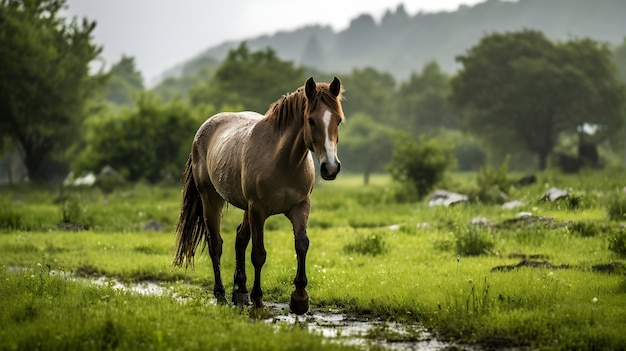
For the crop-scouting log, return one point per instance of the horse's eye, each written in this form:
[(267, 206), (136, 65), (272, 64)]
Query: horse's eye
[(311, 122)]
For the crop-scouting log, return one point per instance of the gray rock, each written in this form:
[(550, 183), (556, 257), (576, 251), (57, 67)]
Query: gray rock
[(446, 198)]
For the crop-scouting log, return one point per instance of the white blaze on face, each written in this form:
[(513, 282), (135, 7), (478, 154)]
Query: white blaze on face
[(329, 146)]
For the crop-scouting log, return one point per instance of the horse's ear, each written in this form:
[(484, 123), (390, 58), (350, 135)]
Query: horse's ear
[(335, 86), (310, 87)]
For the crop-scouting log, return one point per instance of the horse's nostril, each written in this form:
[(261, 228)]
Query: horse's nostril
[(323, 168), (338, 167)]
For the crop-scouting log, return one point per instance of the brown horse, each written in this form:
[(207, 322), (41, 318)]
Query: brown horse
[(262, 165)]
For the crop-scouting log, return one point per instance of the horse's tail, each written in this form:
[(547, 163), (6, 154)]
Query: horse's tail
[(191, 229)]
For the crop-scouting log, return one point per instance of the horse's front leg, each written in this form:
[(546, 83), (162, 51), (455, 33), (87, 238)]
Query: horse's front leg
[(299, 216), (240, 291), (256, 219)]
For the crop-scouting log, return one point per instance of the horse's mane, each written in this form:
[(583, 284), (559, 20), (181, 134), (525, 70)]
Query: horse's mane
[(290, 108)]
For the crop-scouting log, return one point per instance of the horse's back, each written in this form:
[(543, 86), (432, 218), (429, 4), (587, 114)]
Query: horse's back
[(217, 152)]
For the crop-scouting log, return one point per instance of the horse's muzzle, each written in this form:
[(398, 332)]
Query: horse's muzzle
[(329, 171)]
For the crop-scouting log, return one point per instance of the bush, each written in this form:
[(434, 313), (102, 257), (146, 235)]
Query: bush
[(473, 240), (420, 165), (373, 244), (617, 243), (489, 177), (10, 218), (616, 207)]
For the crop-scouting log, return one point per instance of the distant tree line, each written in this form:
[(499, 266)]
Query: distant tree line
[(516, 93)]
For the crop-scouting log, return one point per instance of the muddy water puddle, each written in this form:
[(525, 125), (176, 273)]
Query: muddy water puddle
[(356, 330), (359, 330)]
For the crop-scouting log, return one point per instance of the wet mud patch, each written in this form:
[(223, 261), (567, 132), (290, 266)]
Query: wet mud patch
[(529, 263), (357, 330), (532, 261)]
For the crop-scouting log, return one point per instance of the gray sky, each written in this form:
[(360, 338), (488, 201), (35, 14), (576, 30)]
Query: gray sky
[(163, 33)]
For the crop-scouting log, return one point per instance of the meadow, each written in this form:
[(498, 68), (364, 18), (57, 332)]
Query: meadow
[(554, 280)]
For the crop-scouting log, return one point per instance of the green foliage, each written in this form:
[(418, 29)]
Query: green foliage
[(11, 218), (422, 104), (366, 145), (373, 244), (619, 58), (493, 184), (251, 79), (151, 142), (420, 165), (616, 206), (617, 242), (473, 240), (124, 84), (370, 92), (567, 83), (44, 80), (194, 73)]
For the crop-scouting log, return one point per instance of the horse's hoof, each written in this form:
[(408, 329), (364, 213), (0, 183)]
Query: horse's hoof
[(298, 306), (241, 298)]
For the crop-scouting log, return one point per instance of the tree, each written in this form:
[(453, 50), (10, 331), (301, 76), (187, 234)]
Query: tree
[(366, 145), (420, 166), (369, 91), (422, 101), (44, 78), (619, 57), (125, 81), (252, 79), (150, 142), (519, 91)]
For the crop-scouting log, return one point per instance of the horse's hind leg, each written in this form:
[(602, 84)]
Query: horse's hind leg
[(240, 291), (212, 205), (256, 218), (299, 216)]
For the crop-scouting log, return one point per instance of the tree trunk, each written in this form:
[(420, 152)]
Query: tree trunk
[(366, 177)]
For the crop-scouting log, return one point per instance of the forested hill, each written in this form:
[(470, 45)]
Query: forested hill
[(401, 43)]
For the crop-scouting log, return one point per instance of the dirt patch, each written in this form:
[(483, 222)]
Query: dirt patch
[(531, 264), (532, 222), (611, 268)]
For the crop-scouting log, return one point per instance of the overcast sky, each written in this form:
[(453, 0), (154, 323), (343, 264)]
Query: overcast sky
[(163, 33)]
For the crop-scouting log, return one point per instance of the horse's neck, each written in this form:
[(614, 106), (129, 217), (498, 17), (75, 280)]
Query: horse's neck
[(289, 144)]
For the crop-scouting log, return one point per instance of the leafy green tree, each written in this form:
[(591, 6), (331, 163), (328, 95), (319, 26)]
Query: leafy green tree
[(519, 91), (44, 78), (252, 79), (422, 101), (366, 145), (150, 142), (371, 92), (125, 81), (420, 166), (195, 72), (619, 58)]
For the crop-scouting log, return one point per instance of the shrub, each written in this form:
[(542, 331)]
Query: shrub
[(420, 165), (489, 177), (473, 240), (617, 243), (10, 218), (616, 207), (373, 244)]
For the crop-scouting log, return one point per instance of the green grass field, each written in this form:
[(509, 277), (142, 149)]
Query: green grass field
[(369, 255)]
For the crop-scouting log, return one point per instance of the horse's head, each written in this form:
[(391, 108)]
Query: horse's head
[(321, 130)]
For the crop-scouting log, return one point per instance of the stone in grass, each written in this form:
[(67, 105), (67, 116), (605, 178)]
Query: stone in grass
[(510, 205), (554, 194), (446, 198)]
